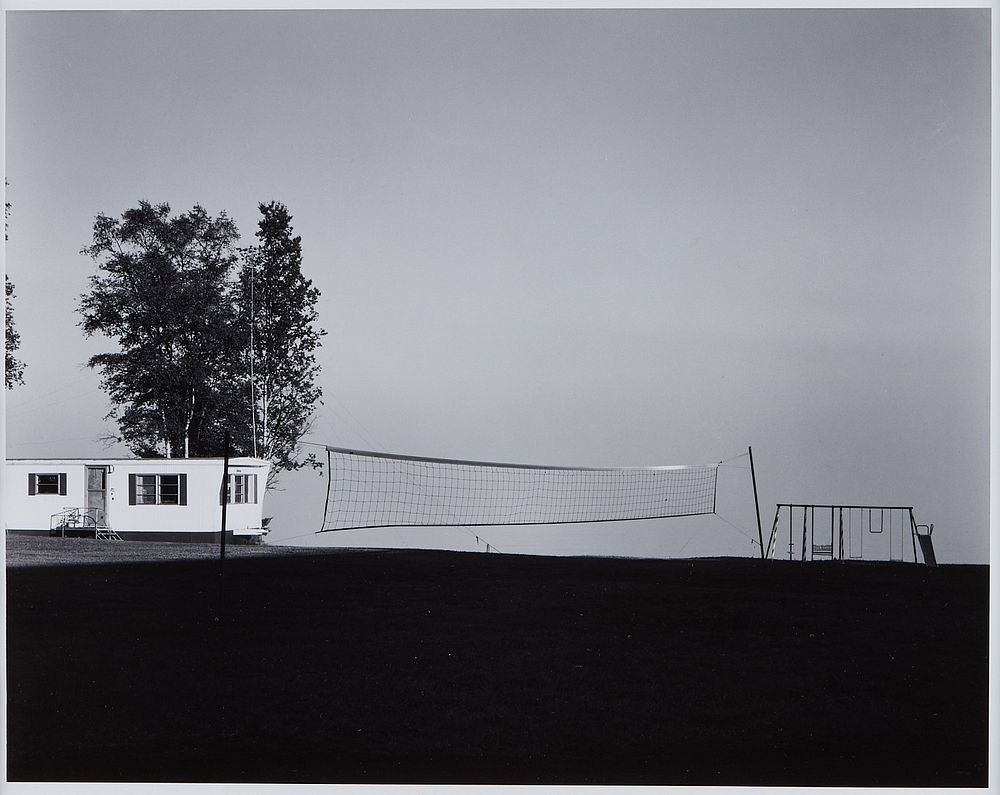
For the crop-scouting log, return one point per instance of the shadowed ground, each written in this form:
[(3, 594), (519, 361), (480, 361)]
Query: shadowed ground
[(388, 667)]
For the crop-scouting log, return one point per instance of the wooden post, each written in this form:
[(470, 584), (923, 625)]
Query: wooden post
[(225, 502), (222, 535)]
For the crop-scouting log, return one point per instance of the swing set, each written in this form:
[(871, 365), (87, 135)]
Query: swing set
[(855, 532)]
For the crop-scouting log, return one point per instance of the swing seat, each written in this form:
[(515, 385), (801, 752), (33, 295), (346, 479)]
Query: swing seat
[(823, 549)]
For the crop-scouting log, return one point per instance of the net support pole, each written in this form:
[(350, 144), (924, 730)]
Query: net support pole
[(756, 502), (329, 483)]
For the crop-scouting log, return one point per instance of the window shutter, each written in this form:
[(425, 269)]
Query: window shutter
[(224, 491), (131, 489), (62, 483), (182, 489), (253, 485), (32, 484)]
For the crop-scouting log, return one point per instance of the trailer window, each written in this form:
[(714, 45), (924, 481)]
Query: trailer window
[(241, 489), (47, 483), (158, 490)]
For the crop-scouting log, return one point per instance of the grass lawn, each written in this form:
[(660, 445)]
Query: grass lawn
[(438, 667)]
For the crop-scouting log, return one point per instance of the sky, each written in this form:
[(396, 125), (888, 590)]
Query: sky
[(593, 238)]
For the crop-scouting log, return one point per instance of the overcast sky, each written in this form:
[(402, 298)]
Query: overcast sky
[(564, 237)]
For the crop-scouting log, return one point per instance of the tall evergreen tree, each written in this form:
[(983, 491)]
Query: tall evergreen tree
[(162, 294), (277, 317), (13, 367)]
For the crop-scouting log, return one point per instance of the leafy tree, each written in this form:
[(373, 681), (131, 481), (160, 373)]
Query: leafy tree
[(162, 293), (277, 316), (13, 367)]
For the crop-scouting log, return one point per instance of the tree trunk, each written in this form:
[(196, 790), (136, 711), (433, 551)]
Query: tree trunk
[(165, 435), (187, 428)]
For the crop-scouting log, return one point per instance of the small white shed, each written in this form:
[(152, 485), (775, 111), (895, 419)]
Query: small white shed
[(162, 499)]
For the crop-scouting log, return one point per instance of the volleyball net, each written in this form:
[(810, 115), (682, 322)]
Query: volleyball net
[(368, 489)]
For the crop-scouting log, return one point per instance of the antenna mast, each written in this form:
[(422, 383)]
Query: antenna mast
[(253, 394)]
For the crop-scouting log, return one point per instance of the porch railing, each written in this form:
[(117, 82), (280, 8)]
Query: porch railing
[(77, 519)]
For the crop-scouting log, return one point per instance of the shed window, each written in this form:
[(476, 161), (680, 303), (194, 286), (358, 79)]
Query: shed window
[(47, 483), (157, 489)]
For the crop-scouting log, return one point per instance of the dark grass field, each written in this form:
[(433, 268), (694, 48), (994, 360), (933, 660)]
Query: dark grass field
[(437, 667)]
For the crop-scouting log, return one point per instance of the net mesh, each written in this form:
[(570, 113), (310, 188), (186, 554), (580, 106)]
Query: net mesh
[(367, 489)]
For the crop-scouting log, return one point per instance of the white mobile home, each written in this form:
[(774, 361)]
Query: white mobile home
[(163, 499)]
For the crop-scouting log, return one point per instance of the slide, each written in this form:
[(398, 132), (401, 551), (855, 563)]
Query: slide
[(927, 548)]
